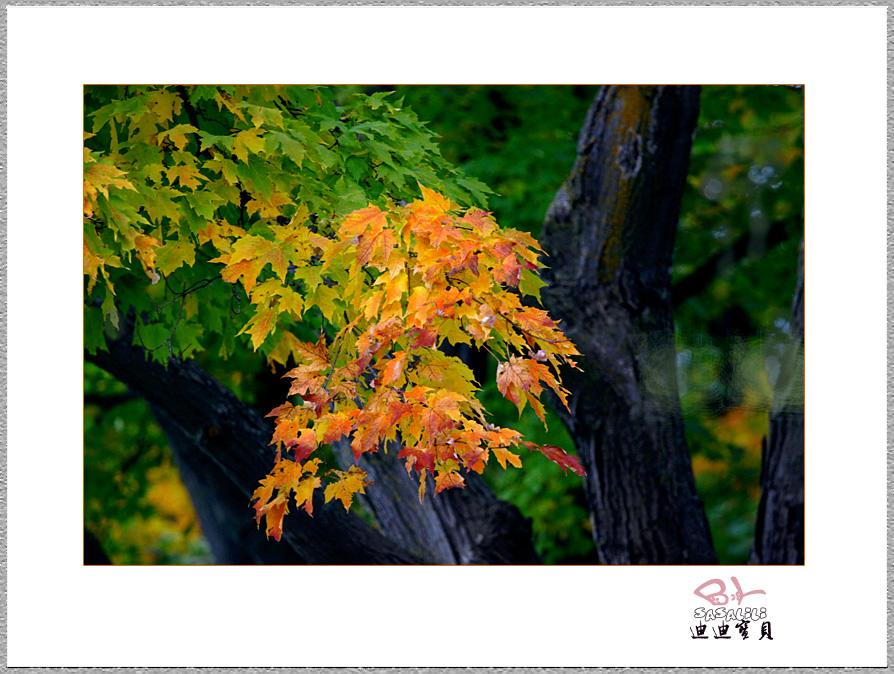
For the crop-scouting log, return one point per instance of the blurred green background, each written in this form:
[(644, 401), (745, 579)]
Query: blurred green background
[(734, 274)]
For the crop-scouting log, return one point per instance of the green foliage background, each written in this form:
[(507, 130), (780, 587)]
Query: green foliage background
[(746, 176)]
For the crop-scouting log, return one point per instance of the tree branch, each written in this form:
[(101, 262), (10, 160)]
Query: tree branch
[(220, 446)]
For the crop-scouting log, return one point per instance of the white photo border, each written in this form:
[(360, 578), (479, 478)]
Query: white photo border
[(829, 613)]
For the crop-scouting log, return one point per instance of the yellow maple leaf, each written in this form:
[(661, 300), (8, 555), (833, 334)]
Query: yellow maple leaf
[(226, 101), (92, 265), (263, 291), (304, 490), (247, 269), (269, 208), (248, 257), (248, 141), (145, 247), (349, 483), (217, 232), (98, 178), (188, 176), (290, 302), (260, 325), (435, 200), (177, 135), (164, 104)]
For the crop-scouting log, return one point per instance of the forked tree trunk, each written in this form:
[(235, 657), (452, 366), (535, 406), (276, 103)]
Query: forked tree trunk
[(610, 235), (779, 532)]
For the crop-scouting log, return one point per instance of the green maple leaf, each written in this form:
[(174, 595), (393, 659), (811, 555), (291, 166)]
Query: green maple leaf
[(173, 254), (290, 147)]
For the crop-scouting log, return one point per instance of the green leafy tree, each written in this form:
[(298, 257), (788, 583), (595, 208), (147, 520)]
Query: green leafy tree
[(276, 209)]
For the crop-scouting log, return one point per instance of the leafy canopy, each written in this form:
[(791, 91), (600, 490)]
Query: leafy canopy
[(326, 236)]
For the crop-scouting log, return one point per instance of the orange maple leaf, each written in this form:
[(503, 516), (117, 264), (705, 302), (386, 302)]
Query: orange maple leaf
[(316, 355), (441, 412), (304, 444), (287, 430), (394, 368), (305, 380), (512, 379), (448, 481), (360, 220), (332, 427), (375, 246), (247, 269), (396, 282), (275, 512), (503, 455)]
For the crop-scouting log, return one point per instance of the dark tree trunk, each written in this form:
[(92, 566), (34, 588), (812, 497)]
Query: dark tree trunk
[(220, 446), (779, 532), (610, 235), (221, 449), (459, 526), (93, 552)]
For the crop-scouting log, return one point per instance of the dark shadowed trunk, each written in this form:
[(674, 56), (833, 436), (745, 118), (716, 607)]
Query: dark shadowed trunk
[(779, 531), (610, 235), (93, 552), (221, 449), (458, 526)]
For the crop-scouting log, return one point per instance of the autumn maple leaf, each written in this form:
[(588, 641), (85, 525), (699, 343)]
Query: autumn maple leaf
[(349, 483), (559, 456), (408, 278), (513, 379), (448, 481)]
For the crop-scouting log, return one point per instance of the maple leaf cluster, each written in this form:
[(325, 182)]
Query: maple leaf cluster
[(269, 194), (400, 281)]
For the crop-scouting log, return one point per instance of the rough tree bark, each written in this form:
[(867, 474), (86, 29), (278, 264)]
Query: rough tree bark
[(459, 526), (221, 449), (779, 531), (609, 235)]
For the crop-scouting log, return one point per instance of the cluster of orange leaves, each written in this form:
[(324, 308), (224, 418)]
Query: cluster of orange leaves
[(403, 280)]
